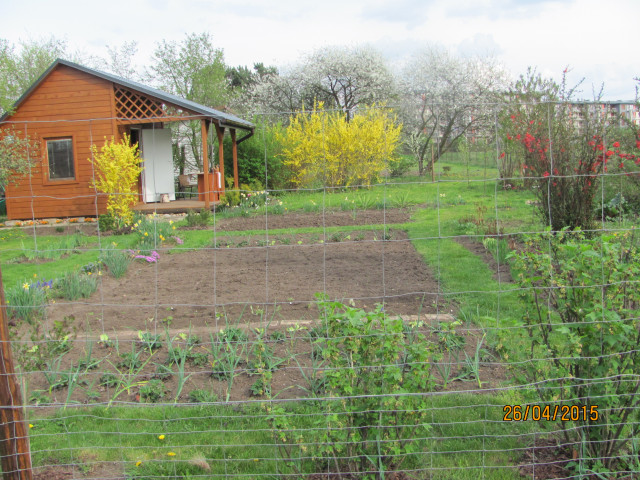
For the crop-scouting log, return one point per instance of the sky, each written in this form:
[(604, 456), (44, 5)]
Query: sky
[(596, 40)]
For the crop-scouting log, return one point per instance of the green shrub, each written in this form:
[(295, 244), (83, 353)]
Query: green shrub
[(231, 198), (370, 366), (252, 158), (582, 342), (107, 223), (256, 185), (401, 165), (198, 219)]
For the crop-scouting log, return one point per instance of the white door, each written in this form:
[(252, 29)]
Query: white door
[(157, 176)]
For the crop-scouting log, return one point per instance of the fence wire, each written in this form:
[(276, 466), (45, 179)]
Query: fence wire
[(404, 327)]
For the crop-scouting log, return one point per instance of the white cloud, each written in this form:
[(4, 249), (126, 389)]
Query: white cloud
[(596, 39)]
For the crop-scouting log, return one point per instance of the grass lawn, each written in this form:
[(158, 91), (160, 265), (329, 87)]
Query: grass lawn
[(466, 437)]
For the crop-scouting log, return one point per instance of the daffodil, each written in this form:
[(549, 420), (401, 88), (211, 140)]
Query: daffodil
[(160, 437), (25, 286)]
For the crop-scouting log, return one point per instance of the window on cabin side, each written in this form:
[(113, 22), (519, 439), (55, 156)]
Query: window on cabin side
[(60, 157)]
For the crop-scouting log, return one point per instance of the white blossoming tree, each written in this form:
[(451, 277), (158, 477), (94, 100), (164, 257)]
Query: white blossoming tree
[(445, 97), (343, 78)]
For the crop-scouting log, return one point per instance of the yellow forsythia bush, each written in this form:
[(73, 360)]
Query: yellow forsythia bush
[(117, 170), (323, 148)]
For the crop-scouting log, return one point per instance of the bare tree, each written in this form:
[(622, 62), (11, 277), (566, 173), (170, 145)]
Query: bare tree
[(445, 98), (120, 61)]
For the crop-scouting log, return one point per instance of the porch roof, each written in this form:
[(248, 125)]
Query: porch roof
[(222, 118)]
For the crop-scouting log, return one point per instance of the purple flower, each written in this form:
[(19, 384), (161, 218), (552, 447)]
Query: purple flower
[(44, 285), (152, 258)]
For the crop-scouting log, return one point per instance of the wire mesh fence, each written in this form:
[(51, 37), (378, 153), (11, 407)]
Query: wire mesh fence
[(380, 324)]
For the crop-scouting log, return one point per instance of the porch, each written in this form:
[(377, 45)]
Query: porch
[(182, 205)]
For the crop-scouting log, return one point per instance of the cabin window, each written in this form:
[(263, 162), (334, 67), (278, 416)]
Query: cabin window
[(60, 156)]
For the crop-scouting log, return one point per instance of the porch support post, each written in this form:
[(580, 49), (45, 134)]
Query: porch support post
[(220, 132), (205, 161), (235, 157)]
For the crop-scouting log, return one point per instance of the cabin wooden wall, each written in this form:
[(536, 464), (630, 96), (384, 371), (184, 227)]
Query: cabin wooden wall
[(67, 103)]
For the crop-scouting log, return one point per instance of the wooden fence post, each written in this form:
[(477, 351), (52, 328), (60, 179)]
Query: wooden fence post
[(14, 435)]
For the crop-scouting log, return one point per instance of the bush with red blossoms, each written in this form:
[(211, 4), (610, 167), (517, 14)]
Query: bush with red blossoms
[(564, 150)]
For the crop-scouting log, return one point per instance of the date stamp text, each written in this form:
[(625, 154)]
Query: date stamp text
[(550, 413)]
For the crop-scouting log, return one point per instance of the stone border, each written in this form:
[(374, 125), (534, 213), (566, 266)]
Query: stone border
[(73, 221), (47, 221)]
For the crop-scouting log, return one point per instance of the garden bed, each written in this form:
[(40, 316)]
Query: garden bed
[(105, 366), (316, 219), (259, 283)]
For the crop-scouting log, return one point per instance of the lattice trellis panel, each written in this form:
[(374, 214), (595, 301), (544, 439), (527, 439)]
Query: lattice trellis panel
[(131, 105)]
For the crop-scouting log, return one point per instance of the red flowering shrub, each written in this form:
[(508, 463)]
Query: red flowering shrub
[(562, 149)]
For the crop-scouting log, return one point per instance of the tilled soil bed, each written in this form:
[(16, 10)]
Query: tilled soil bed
[(214, 286), (316, 219)]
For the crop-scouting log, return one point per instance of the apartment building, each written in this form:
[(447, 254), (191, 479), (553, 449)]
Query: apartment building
[(619, 113)]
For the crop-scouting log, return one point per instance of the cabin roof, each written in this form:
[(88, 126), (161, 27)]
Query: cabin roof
[(225, 119)]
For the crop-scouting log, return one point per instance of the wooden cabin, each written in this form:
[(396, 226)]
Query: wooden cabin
[(70, 107)]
